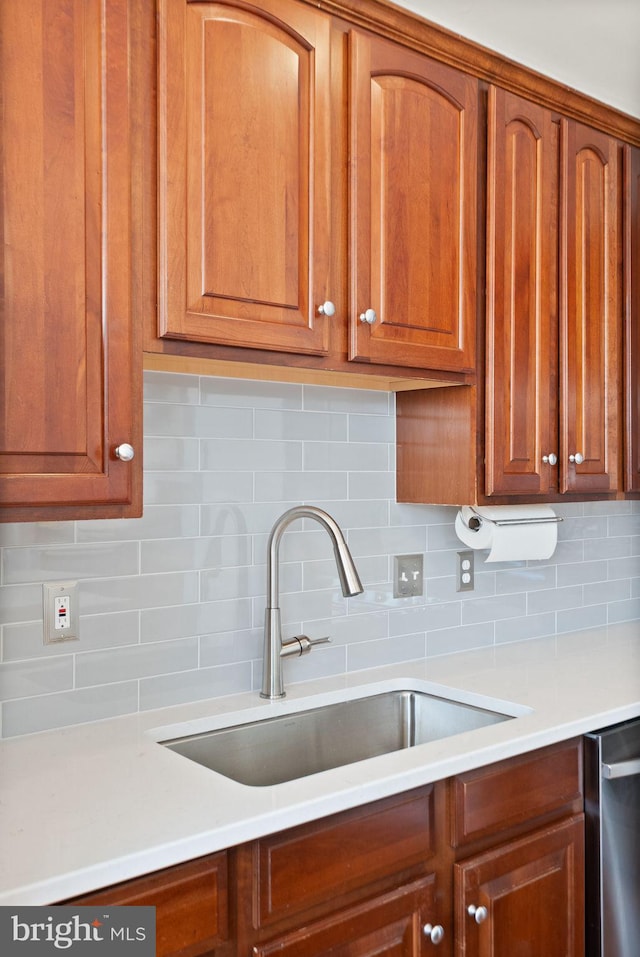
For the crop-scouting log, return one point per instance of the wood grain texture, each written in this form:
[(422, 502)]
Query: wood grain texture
[(327, 859), (413, 207), (436, 446), (591, 303), (632, 317), (522, 297), (533, 890), (191, 901), (71, 378), (508, 793), (389, 925), (244, 123)]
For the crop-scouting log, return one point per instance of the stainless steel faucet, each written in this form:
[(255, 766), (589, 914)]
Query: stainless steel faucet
[(275, 649)]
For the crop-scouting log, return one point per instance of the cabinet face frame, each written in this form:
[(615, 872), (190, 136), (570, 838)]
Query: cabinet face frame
[(244, 191), (71, 371)]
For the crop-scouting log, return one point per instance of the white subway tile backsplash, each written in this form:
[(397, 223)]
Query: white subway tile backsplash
[(23, 679), (136, 661), (239, 455), (307, 486), (164, 690), (313, 426), (346, 456), (245, 393), (321, 399), (37, 533), (172, 604), (56, 563)]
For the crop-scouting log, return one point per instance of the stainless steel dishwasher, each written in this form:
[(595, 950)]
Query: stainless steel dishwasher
[(612, 792)]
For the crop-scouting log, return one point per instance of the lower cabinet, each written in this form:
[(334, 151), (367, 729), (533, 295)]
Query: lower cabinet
[(489, 863), (390, 925), (524, 897)]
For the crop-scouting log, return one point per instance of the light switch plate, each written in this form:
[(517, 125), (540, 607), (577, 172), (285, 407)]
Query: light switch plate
[(60, 611), (408, 579)]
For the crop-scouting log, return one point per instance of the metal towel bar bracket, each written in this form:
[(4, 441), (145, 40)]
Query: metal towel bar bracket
[(476, 520)]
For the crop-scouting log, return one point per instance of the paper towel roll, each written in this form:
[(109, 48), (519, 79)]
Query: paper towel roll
[(532, 534)]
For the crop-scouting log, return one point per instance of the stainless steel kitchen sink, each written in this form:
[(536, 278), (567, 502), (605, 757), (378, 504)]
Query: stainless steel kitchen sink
[(290, 746)]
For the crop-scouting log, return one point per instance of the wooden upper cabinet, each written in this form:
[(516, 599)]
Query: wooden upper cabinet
[(632, 317), (413, 208), (244, 120), (71, 385), (522, 314), (590, 310), (553, 388)]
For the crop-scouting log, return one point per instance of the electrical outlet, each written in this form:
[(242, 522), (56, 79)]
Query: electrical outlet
[(60, 612), (464, 577), (408, 579)]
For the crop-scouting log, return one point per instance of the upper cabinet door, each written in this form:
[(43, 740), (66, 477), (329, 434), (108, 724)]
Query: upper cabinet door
[(413, 208), (71, 384), (522, 318), (590, 310), (244, 128), (632, 330)]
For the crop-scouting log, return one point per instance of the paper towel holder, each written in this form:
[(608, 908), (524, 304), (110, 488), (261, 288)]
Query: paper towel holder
[(474, 524)]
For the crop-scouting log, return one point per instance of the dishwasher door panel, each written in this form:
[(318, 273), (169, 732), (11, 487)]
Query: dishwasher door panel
[(612, 793)]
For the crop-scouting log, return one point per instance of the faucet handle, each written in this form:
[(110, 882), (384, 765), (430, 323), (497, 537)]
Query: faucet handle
[(301, 645)]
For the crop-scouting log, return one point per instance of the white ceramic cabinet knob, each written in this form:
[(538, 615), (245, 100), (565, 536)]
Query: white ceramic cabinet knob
[(551, 459), (369, 316), (435, 932), (327, 308), (124, 452), (479, 914), (578, 458)]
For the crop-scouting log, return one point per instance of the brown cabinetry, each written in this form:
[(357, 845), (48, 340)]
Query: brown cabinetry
[(70, 384), (524, 897), (547, 420), (192, 906), (489, 862), (519, 873), (244, 187), (413, 208), (265, 243), (632, 329)]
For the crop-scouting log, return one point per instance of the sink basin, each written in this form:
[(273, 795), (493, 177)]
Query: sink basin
[(290, 746)]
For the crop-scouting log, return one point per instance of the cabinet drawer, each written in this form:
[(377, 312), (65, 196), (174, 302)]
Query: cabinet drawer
[(314, 864), (191, 902), (520, 790)]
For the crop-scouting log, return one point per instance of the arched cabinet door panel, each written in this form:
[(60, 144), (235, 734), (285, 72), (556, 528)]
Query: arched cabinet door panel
[(244, 123), (413, 211), (522, 297), (590, 310)]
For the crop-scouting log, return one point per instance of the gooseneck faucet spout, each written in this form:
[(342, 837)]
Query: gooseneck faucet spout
[(274, 647)]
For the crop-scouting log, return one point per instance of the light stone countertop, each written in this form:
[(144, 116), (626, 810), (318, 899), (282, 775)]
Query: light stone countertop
[(91, 805)]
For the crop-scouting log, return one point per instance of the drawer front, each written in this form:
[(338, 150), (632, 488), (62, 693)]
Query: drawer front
[(191, 902), (314, 864), (517, 791)]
